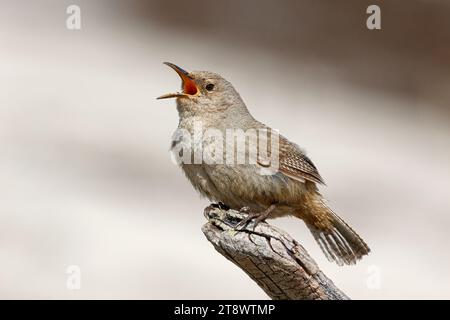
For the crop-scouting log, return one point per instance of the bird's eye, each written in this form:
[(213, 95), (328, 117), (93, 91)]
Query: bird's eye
[(209, 87)]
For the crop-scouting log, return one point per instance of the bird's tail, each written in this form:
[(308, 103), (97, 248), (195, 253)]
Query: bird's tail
[(338, 241)]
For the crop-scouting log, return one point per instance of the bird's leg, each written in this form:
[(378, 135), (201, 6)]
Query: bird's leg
[(265, 214), (257, 216)]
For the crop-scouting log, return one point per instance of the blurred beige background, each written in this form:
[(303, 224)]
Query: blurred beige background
[(85, 172)]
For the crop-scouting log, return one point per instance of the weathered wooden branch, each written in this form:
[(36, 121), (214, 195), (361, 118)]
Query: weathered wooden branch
[(275, 261)]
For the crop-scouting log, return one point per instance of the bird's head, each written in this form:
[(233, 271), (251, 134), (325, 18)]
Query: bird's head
[(205, 92)]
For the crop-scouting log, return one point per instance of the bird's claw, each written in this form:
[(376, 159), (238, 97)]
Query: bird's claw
[(256, 216)]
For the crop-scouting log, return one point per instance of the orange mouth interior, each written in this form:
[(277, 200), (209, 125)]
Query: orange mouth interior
[(189, 86)]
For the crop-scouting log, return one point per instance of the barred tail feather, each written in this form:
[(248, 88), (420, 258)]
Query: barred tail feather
[(340, 243)]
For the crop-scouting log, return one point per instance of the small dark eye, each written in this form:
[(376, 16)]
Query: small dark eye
[(209, 87)]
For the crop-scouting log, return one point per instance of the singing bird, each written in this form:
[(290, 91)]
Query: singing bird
[(208, 98)]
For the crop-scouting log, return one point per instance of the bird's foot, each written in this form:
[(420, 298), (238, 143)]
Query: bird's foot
[(258, 217), (250, 216)]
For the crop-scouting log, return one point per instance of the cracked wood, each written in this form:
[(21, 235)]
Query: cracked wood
[(269, 256)]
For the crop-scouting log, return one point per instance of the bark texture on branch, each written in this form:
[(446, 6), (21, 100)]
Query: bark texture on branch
[(272, 258)]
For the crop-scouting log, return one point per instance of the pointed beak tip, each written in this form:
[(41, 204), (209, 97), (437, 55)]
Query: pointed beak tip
[(189, 85), (179, 70)]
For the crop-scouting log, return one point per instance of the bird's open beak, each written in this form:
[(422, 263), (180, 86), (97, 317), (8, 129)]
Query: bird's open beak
[(188, 84)]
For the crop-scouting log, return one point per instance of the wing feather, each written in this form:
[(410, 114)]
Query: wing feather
[(295, 164)]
